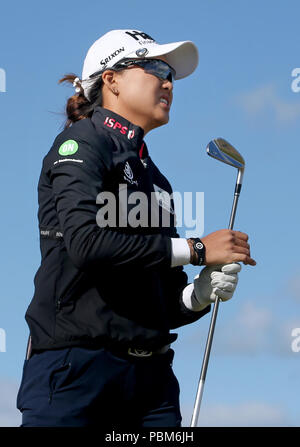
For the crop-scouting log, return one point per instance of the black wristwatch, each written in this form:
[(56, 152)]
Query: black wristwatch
[(199, 249)]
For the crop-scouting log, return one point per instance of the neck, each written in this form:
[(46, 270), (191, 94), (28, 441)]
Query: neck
[(115, 107)]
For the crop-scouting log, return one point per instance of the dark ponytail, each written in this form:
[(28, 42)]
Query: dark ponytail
[(78, 106)]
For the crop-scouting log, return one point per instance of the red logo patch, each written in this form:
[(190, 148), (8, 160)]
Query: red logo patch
[(113, 124)]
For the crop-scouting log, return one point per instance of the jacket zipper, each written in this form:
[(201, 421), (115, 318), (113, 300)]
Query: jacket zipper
[(65, 299)]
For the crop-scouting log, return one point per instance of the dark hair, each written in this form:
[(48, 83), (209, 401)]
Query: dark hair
[(78, 106)]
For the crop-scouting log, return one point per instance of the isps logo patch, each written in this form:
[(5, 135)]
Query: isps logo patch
[(114, 124)]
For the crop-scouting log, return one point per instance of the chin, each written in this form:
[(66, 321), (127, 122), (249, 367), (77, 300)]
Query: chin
[(159, 121), (163, 120)]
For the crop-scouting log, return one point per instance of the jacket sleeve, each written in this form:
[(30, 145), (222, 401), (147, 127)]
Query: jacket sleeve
[(76, 181), (179, 314)]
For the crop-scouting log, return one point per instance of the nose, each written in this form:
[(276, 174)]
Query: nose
[(167, 83)]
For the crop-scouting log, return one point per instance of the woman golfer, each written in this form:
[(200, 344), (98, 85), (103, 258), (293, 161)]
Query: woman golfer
[(111, 284)]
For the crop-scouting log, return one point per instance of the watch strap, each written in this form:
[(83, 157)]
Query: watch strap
[(197, 249)]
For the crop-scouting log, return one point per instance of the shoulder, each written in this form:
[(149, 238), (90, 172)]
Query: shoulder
[(81, 142)]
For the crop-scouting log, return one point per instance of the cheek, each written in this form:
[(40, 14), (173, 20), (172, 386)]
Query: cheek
[(135, 90), (139, 90)]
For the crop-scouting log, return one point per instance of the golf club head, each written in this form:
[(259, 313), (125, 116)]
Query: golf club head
[(223, 151)]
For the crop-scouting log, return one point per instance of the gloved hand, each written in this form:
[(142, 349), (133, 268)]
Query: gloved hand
[(218, 280)]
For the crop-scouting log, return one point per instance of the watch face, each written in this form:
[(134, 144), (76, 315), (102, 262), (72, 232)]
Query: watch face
[(199, 245)]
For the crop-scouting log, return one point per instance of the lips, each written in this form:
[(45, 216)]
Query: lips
[(165, 100)]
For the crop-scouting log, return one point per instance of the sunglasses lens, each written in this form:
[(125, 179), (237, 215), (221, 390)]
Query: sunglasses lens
[(158, 68), (170, 77)]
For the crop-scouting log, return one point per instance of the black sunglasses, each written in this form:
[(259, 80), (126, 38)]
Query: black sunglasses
[(157, 67)]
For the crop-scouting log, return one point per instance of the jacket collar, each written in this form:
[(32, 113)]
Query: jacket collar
[(121, 128)]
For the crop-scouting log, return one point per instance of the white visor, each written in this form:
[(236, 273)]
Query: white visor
[(119, 44)]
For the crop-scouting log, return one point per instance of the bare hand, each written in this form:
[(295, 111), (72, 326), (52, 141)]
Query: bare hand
[(227, 246)]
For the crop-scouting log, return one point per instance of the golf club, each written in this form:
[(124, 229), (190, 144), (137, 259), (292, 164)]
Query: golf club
[(221, 150)]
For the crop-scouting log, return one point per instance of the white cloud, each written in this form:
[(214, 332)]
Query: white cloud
[(265, 100), (9, 414), (247, 333), (253, 330), (247, 414)]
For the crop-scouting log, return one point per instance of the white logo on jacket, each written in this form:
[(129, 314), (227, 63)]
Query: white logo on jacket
[(129, 174)]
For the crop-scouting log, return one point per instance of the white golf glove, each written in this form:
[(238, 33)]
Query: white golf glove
[(218, 280)]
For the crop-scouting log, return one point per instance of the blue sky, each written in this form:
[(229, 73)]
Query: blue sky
[(241, 91)]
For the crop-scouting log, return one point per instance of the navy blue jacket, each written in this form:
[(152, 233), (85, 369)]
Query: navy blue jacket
[(104, 285)]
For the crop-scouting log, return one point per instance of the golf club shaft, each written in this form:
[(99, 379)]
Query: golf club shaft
[(201, 383), (238, 187), (198, 400)]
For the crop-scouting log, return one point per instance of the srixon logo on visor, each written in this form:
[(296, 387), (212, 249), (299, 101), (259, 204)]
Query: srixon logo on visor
[(114, 124)]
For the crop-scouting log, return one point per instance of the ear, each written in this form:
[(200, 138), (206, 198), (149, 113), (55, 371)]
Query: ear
[(109, 79)]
